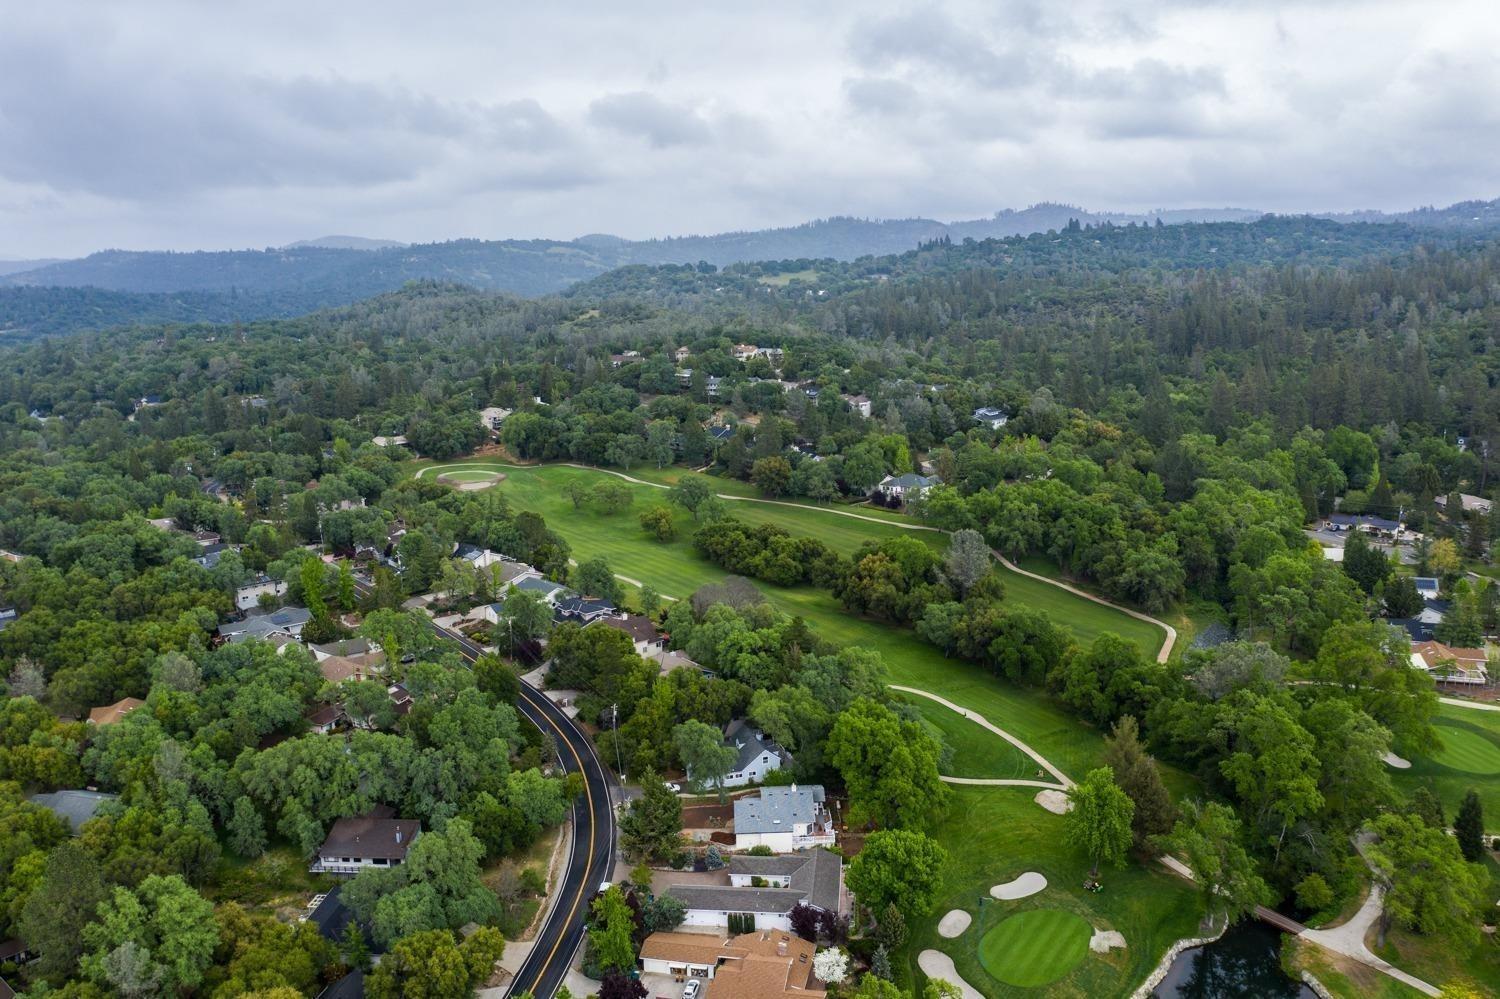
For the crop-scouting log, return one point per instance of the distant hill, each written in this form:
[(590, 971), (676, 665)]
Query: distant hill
[(17, 266), (336, 270), (344, 243)]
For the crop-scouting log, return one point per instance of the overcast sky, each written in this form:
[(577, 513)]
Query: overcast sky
[(157, 125)]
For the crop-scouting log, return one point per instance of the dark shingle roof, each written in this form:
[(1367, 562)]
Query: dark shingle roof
[(724, 898), (371, 838)]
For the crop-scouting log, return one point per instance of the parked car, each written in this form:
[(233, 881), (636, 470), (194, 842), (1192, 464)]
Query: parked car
[(674, 788), (691, 989)]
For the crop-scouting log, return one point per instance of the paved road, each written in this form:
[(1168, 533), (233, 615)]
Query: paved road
[(591, 854)]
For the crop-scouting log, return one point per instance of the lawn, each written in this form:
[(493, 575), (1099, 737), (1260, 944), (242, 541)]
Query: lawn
[(1036, 947), (975, 750), (1344, 977), (1469, 758), (994, 834)]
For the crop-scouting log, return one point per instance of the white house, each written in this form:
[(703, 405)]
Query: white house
[(247, 595), (783, 818), (991, 416), (1451, 665), (491, 417), (908, 486), (859, 403), (357, 843), (757, 757), (765, 964), (649, 642), (766, 889)]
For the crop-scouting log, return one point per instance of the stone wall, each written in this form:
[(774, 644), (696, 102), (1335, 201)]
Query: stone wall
[(1165, 965)]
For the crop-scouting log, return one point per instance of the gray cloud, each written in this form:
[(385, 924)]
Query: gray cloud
[(180, 124)]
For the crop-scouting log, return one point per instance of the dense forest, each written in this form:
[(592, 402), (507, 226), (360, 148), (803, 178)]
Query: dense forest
[(1179, 403)]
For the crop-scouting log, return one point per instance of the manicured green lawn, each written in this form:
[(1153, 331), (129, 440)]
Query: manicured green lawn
[(1036, 947), (994, 834), (1469, 758), (976, 751)]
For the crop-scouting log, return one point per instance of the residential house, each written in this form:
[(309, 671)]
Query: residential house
[(859, 403), (209, 558), (757, 755), (648, 641), (766, 889), (1451, 665), (581, 609), (675, 660), (681, 354), (111, 713), (343, 647), (327, 719), (207, 539), (1428, 586), (744, 351), (393, 441), (1433, 611), (720, 434), (991, 416), (8, 614), (783, 818), (401, 699), (907, 487), (247, 595), (363, 666), (766, 964), (545, 588), (1370, 524), (284, 620), (628, 357), (73, 806), (491, 417), (1470, 503), (356, 843)]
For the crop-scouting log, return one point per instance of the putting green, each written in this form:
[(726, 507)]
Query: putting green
[(1035, 948), (1467, 751)]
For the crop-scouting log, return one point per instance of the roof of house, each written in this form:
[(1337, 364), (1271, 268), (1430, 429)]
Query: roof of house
[(583, 606), (637, 626), (749, 742), (371, 838), (111, 713), (815, 873), (675, 659), (535, 584), (512, 570), (988, 412), (688, 948), (343, 647), (337, 669), (910, 481), (77, 807), (1419, 630), (1433, 653), (776, 809), (326, 715), (263, 624), (1369, 520), (725, 898), (1426, 582), (721, 433), (775, 965)]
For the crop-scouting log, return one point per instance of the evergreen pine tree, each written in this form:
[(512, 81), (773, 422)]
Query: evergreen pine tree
[(1468, 827)]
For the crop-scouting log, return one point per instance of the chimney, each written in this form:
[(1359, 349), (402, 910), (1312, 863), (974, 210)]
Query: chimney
[(398, 836), (794, 787), (781, 948)]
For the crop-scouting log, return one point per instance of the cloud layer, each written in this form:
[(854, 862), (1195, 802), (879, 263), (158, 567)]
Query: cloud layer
[(185, 125)]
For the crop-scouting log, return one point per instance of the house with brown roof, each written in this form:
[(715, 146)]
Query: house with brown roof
[(111, 713), (365, 841), (768, 964), (1451, 665), (337, 669), (648, 641)]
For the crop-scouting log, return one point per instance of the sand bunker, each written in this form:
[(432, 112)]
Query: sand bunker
[(1027, 884), (936, 964), (1055, 802), (1104, 941), (1392, 760), (954, 923), (468, 482)]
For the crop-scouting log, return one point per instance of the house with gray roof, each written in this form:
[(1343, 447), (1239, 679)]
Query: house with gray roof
[(757, 755), (908, 486), (783, 818), (75, 807), (544, 588), (767, 889), (284, 621)]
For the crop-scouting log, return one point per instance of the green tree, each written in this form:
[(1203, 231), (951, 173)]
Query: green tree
[(1429, 887), (1468, 827), (166, 931), (612, 496), (1136, 773), (611, 927), (1401, 597), (1364, 564), (651, 827), (523, 617), (968, 559), (66, 900), (898, 867), (691, 492), (889, 766), (594, 578), (430, 965), (1207, 838), (1098, 823), (704, 753), (772, 476), (657, 522), (247, 830)]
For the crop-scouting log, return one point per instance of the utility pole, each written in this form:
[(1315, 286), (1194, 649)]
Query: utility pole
[(614, 718)]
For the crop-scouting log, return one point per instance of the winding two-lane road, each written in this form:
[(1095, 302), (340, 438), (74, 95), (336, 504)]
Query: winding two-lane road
[(591, 854)]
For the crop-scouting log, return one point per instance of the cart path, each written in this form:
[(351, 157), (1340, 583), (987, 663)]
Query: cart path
[(628, 581), (1162, 655), (1063, 781)]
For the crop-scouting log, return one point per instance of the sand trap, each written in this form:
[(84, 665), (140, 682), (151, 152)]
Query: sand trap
[(1392, 760), (1055, 802), (1027, 884), (936, 964), (1104, 941), (954, 923), (464, 484)]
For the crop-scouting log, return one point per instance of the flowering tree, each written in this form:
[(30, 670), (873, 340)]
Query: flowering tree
[(831, 966)]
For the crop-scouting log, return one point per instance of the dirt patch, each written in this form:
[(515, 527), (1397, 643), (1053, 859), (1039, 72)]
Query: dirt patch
[(707, 816)]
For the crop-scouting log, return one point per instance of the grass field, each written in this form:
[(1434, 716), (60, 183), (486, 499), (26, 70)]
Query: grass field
[(1036, 947), (977, 752), (994, 834), (1469, 758)]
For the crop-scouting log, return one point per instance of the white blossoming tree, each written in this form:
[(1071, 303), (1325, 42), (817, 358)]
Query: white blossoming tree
[(831, 966)]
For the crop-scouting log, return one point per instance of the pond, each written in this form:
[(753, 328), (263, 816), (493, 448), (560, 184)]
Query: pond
[(1246, 961)]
